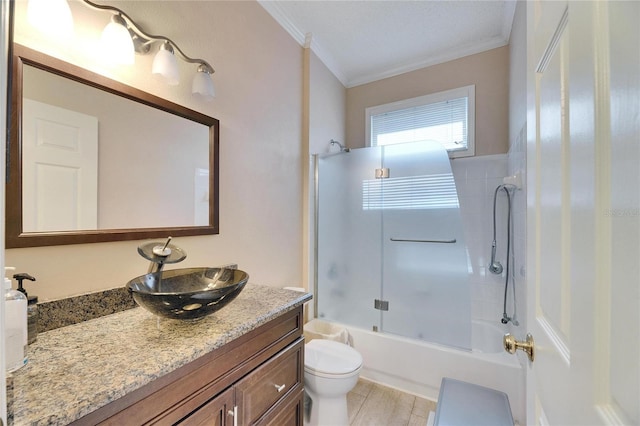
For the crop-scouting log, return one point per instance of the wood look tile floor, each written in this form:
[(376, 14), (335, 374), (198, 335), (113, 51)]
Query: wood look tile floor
[(371, 404)]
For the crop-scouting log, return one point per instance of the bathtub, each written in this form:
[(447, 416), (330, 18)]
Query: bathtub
[(418, 367)]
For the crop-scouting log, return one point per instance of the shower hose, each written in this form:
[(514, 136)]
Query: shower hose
[(505, 318)]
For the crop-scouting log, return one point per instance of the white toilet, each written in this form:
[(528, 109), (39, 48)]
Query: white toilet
[(331, 370)]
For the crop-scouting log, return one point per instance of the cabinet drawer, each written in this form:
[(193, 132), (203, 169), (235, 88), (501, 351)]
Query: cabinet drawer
[(269, 383)]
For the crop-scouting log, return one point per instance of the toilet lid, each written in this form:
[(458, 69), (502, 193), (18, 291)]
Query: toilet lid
[(329, 357)]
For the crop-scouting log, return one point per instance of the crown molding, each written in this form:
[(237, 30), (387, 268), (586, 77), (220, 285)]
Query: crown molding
[(309, 42), (428, 62)]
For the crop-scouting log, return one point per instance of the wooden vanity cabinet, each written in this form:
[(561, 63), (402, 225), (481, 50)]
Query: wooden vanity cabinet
[(266, 396), (254, 379), (217, 412)]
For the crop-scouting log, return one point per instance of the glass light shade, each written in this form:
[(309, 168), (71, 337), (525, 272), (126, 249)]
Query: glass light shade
[(52, 17), (203, 85), (166, 65), (116, 43)]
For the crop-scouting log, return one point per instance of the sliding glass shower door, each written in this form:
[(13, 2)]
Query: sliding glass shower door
[(391, 254)]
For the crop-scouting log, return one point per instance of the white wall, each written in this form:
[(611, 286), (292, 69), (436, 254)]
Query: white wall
[(259, 104)]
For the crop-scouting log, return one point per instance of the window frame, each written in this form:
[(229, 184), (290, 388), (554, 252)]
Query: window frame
[(467, 91)]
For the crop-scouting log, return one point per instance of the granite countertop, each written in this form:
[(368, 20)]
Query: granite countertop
[(77, 369)]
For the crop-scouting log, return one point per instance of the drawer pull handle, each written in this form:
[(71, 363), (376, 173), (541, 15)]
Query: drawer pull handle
[(280, 388), (234, 414)]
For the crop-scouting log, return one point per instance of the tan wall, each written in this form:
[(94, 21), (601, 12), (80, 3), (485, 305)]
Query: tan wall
[(489, 71), (259, 104), (328, 98)]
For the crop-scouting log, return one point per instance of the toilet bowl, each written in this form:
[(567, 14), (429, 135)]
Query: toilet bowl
[(331, 370)]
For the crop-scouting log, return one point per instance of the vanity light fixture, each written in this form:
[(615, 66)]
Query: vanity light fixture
[(202, 83), (116, 43), (166, 64), (122, 37)]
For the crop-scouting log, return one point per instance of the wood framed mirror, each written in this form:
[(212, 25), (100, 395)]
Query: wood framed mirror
[(90, 159)]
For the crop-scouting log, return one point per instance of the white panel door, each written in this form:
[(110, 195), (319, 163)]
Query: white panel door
[(60, 169), (583, 212)]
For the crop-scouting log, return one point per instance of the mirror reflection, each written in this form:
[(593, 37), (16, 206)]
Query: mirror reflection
[(101, 159), (94, 160)]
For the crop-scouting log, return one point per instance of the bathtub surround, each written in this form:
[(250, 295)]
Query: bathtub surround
[(476, 179)]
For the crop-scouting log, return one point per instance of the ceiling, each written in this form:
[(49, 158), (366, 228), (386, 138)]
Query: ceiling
[(366, 40)]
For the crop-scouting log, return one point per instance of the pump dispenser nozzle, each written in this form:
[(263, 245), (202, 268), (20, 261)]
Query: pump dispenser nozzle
[(21, 277)]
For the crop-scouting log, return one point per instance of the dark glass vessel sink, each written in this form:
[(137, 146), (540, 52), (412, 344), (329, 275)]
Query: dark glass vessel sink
[(189, 293)]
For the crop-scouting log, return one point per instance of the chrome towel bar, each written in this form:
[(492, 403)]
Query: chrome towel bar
[(423, 241)]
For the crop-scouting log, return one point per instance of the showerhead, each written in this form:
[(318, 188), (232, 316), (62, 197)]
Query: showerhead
[(342, 148)]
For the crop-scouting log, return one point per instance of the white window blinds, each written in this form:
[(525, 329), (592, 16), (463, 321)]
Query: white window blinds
[(445, 117)]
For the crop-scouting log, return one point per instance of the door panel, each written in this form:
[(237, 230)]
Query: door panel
[(619, 398), (583, 212), (60, 175)]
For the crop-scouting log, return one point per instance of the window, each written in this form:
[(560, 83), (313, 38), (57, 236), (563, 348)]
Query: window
[(446, 117)]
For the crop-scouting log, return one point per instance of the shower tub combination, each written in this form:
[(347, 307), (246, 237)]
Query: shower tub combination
[(393, 268)]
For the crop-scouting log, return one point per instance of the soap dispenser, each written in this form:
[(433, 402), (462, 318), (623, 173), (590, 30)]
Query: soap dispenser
[(32, 307), (15, 320)]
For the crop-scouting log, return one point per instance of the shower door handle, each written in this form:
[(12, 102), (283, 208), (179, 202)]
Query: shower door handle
[(511, 345)]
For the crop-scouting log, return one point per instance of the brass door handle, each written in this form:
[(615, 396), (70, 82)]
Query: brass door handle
[(511, 345)]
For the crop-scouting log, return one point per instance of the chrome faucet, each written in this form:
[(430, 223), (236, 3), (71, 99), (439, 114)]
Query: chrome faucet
[(160, 254)]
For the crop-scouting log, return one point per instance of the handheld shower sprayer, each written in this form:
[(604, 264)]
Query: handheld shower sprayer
[(495, 267)]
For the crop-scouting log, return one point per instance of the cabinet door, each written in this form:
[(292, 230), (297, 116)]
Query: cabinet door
[(217, 412), (288, 412)]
